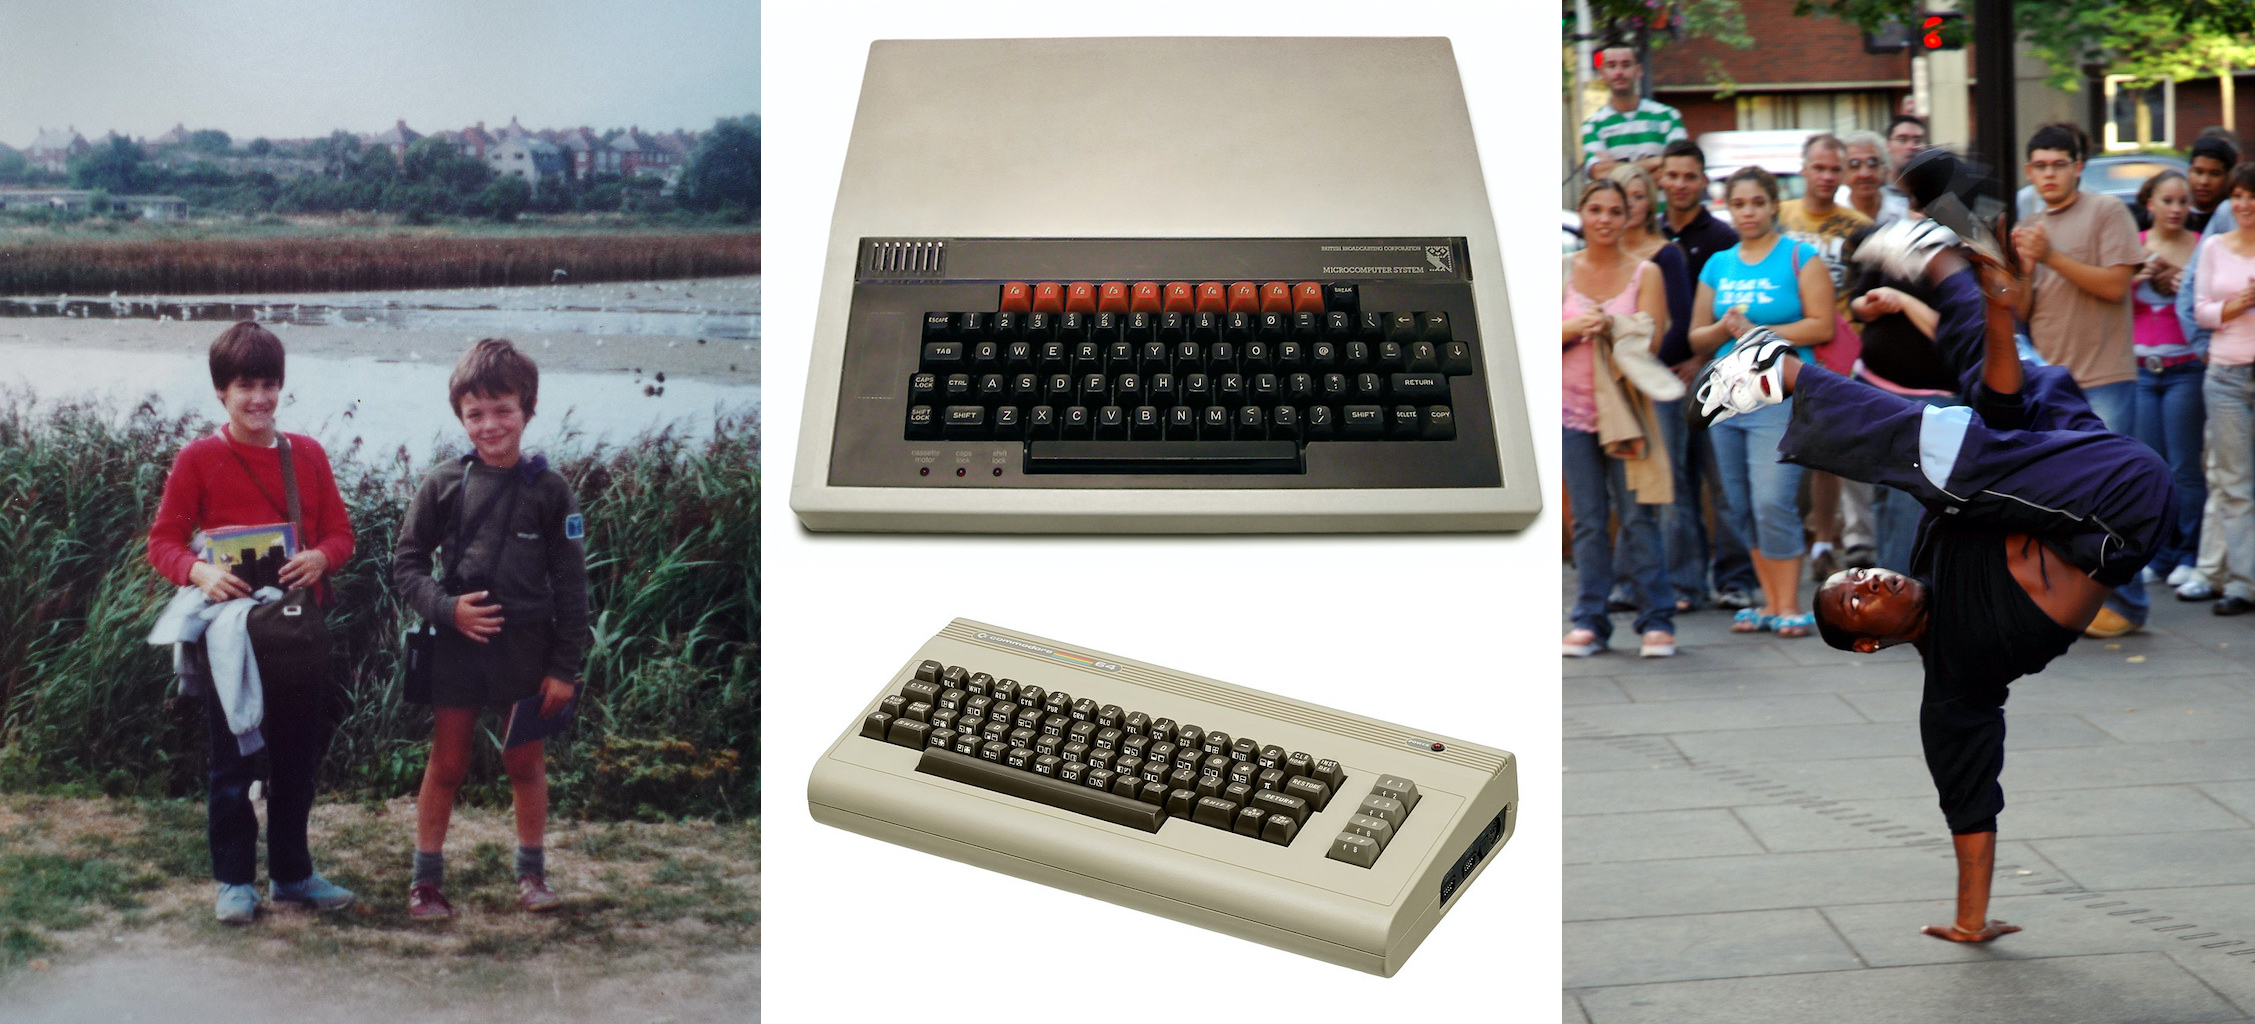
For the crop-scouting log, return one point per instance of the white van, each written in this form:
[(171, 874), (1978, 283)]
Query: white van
[(1777, 151)]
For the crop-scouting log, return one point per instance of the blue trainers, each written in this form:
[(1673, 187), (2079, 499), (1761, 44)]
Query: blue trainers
[(314, 891), (237, 904)]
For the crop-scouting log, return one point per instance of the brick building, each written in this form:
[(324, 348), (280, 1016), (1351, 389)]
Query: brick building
[(1800, 73)]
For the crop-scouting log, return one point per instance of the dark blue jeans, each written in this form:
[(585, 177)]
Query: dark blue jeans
[(2171, 416), (1592, 480), (295, 737)]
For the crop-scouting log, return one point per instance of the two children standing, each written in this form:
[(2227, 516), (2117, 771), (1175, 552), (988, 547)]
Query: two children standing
[(511, 611)]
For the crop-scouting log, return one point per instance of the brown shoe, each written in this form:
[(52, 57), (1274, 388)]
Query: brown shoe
[(426, 903), (534, 895)]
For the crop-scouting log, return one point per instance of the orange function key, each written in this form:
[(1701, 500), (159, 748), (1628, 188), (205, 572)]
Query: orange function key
[(1017, 297), (1112, 297), (1145, 297), (1307, 297), (1244, 297), (1179, 298), (1080, 297), (1213, 297), (1049, 297), (1276, 297)]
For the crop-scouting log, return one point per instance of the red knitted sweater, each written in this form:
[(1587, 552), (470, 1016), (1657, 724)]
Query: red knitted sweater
[(209, 488)]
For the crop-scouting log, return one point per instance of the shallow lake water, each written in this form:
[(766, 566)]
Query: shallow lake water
[(721, 309), (381, 404), (396, 396)]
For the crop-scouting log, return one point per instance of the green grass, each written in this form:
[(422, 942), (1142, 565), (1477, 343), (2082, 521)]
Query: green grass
[(670, 724)]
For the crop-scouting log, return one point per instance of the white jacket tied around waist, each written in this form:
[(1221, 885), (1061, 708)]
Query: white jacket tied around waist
[(224, 630)]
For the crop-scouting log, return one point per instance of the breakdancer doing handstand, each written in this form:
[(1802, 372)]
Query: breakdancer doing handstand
[(2034, 511)]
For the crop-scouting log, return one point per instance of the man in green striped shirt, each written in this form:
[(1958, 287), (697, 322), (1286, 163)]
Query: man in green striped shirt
[(1628, 126)]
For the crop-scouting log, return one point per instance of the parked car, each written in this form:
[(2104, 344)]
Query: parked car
[(2121, 175)]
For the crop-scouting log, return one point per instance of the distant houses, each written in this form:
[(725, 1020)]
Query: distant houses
[(543, 158), (54, 149)]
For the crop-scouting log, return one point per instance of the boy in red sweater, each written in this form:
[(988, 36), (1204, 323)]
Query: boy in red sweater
[(234, 478)]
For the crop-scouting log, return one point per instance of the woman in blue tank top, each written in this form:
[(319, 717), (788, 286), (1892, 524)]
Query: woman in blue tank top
[(1766, 280)]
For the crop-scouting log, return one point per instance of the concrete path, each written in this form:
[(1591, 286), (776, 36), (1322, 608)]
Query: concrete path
[(1750, 834)]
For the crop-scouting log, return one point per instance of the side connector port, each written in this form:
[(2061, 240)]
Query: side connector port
[(1473, 855)]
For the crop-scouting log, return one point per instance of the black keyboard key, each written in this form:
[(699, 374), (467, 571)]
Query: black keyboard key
[(923, 423), (1249, 820), (993, 388), (1424, 357), (908, 733), (1182, 423), (1072, 328), (1169, 456), (943, 356), (1315, 793), (1104, 328), (877, 725), (1334, 388), (1111, 423), (966, 422), (1028, 786), (1276, 802), (1213, 423), (923, 388), (1180, 802), (1006, 326), (1075, 424), (1329, 773), (1321, 423), (1161, 389), (1402, 424), (1053, 357), (1041, 423), (957, 388), (928, 671), (1456, 358), (1284, 423), (1434, 327), (986, 355), (938, 326), (1214, 811), (1401, 328), (1127, 389), (1363, 423), (1018, 356), (1009, 424), (971, 326), (1440, 424), (1144, 423), (1341, 298), (1280, 829), (1252, 423), (1038, 327)]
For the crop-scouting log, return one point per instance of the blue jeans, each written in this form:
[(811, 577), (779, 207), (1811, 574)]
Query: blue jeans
[(1592, 480), (1895, 515), (1683, 524), (1759, 492), (2171, 416), (2117, 404), (2230, 397)]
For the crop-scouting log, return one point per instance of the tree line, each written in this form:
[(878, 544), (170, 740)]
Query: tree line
[(434, 179)]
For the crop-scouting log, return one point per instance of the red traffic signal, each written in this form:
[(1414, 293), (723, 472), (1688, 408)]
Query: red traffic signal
[(1941, 30)]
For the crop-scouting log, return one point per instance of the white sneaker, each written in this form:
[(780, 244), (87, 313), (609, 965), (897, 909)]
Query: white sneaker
[(2180, 575), (1748, 378), (1581, 643)]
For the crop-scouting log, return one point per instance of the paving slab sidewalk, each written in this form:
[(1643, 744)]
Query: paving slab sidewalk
[(1750, 834)]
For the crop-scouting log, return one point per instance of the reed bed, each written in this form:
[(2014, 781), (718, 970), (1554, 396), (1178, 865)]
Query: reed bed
[(259, 265), (670, 720)]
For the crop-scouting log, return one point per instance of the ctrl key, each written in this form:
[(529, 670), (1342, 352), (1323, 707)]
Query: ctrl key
[(1360, 851)]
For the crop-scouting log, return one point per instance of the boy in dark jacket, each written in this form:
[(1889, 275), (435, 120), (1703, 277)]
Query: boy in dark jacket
[(510, 608)]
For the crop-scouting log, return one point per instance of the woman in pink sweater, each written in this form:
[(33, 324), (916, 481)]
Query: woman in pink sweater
[(2224, 296)]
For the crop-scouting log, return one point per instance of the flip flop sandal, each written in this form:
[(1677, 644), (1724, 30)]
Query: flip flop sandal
[(1799, 625), (1751, 620)]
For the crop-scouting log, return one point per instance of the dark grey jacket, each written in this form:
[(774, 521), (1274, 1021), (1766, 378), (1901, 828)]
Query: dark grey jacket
[(532, 558)]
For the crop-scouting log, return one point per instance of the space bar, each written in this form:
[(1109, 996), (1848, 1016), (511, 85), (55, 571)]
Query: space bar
[(1163, 457), (1042, 789)]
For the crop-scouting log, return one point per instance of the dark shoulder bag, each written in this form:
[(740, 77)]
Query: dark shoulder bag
[(290, 637)]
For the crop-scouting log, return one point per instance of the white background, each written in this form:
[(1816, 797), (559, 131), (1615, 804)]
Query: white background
[(1449, 633)]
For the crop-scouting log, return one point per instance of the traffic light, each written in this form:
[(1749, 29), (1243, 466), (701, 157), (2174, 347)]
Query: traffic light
[(1941, 30)]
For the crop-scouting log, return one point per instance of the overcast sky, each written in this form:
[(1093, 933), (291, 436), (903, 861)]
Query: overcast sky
[(297, 68)]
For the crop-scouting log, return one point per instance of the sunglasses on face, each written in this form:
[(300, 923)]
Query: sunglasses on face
[(1861, 163)]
